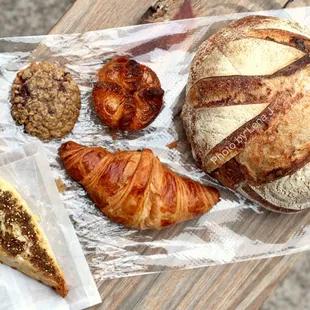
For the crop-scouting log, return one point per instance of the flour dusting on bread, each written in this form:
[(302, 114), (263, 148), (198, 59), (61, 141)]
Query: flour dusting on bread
[(247, 110)]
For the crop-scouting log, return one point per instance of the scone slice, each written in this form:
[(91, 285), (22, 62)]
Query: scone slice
[(23, 244)]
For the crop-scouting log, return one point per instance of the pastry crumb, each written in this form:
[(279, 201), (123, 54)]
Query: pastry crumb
[(37, 217), (173, 144), (112, 134), (60, 185)]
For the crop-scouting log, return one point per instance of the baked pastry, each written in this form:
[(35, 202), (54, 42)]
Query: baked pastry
[(23, 244), (46, 100), (128, 95), (247, 110), (134, 188)]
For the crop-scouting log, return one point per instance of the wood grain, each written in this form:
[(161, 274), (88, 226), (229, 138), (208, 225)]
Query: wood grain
[(297, 3), (87, 15), (236, 286), (170, 9)]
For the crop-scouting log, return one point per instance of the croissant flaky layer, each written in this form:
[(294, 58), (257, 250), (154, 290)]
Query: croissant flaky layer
[(128, 95), (134, 188)]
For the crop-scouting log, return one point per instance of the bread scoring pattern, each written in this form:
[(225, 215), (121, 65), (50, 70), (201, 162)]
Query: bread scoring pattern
[(247, 108)]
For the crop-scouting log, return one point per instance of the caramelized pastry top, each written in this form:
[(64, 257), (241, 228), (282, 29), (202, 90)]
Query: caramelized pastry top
[(128, 95)]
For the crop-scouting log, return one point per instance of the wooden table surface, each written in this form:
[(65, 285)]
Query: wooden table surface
[(236, 286)]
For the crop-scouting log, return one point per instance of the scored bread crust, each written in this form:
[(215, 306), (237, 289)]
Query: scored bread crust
[(247, 110), (28, 249)]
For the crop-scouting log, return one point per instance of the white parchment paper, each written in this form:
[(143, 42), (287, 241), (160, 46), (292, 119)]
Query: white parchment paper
[(235, 230), (28, 170)]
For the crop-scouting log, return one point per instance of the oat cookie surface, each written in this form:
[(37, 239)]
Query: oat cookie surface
[(46, 100)]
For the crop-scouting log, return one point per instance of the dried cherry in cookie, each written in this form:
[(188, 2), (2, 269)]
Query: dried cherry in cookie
[(46, 100), (128, 95)]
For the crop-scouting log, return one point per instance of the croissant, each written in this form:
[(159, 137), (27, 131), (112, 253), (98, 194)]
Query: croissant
[(134, 188), (128, 95)]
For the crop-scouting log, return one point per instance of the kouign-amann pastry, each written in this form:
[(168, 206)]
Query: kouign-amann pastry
[(128, 95)]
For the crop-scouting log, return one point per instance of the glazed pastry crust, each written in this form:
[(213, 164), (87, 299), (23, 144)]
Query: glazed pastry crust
[(128, 95), (134, 188)]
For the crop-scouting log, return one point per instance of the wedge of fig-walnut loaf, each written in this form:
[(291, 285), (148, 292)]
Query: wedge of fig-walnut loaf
[(23, 244), (247, 110)]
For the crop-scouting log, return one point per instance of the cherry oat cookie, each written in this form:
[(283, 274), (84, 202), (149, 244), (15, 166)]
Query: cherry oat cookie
[(46, 100)]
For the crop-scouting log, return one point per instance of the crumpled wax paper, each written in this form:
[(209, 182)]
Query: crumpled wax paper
[(27, 168), (235, 229)]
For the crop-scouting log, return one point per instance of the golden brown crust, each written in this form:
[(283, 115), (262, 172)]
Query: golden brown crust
[(134, 188), (128, 95)]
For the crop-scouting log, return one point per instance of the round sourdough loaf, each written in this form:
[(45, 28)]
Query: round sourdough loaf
[(247, 110)]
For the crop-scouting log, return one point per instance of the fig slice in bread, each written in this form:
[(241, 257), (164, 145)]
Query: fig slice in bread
[(23, 244)]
